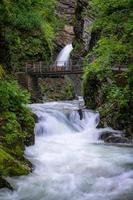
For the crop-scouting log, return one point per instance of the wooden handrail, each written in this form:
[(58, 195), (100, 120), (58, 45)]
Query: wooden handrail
[(59, 67)]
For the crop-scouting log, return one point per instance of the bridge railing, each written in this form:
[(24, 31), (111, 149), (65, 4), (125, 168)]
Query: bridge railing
[(61, 67), (57, 66)]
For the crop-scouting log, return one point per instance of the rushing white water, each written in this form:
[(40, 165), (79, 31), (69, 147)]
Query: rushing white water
[(63, 57), (70, 162)]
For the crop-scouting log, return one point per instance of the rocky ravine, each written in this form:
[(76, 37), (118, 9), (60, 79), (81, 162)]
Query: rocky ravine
[(76, 24)]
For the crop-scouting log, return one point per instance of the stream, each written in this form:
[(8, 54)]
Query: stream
[(70, 162)]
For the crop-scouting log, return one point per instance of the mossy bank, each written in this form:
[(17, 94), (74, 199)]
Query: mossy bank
[(16, 130)]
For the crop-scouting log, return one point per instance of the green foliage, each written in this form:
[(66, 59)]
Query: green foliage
[(16, 125), (12, 98), (115, 21), (29, 28), (9, 166), (2, 72), (116, 95), (17, 120), (103, 88), (11, 127)]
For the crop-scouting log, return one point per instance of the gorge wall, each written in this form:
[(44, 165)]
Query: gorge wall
[(66, 12), (99, 84), (76, 24)]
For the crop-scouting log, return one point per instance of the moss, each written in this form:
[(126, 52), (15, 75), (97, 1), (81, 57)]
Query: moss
[(9, 166), (16, 130)]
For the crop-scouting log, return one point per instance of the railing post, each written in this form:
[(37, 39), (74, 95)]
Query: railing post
[(40, 66), (56, 66), (70, 64), (34, 67), (26, 67)]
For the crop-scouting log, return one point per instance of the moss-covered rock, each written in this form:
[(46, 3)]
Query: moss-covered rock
[(10, 166)]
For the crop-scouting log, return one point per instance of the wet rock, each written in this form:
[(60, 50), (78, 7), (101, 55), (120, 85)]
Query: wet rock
[(65, 37), (5, 184), (80, 112), (109, 137), (116, 139)]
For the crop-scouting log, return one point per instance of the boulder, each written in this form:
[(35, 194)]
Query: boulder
[(110, 137)]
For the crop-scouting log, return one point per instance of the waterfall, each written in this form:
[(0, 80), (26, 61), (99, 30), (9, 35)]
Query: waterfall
[(70, 163), (64, 56)]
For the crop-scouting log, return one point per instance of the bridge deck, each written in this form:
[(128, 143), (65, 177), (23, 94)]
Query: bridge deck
[(38, 69), (58, 69)]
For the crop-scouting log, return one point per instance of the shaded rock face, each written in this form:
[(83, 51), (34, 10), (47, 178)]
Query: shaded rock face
[(64, 37), (4, 58), (82, 22), (31, 84), (77, 23), (5, 184), (60, 88), (82, 28), (66, 12), (86, 33)]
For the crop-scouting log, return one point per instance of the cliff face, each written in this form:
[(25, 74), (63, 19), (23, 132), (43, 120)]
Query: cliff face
[(76, 24), (66, 12), (83, 22), (55, 89), (82, 30)]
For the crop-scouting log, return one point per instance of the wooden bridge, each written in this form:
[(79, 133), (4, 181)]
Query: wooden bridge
[(57, 69), (32, 70)]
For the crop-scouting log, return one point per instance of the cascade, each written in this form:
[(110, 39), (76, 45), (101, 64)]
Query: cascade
[(70, 162), (64, 56)]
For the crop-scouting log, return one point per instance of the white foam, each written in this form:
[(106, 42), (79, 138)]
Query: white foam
[(68, 165)]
